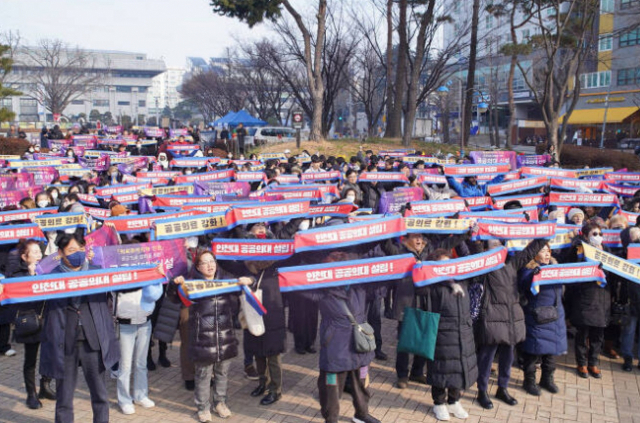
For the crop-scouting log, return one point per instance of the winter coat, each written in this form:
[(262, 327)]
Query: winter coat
[(272, 342), (211, 333), (337, 349), (404, 292), (370, 195), (36, 306), (501, 319), (467, 190), (454, 364), (53, 333), (590, 303), (548, 338), (167, 319)]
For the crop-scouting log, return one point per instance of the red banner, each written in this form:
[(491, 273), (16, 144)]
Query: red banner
[(430, 272), (576, 184), (220, 175), (28, 214), (143, 222), (499, 230), (622, 177), (179, 200), (548, 171), (567, 273), (438, 207), (108, 191), (383, 177), (475, 170), (345, 273), (338, 209), (349, 234), (269, 212), (580, 200), (73, 284), (525, 200), (321, 176), (252, 249), (518, 185)]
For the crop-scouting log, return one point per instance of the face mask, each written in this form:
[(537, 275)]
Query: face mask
[(76, 259), (560, 220), (351, 198), (43, 204), (192, 242), (54, 195), (595, 239), (304, 225), (31, 150), (139, 146), (188, 172), (70, 154)]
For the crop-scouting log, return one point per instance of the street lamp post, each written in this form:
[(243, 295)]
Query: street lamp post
[(481, 108)]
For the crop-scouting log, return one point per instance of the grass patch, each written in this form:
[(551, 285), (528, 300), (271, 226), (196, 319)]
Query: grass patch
[(349, 147)]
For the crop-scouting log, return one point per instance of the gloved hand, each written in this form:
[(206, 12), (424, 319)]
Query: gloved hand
[(457, 289)]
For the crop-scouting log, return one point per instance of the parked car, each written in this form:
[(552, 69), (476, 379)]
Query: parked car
[(629, 143), (272, 134)]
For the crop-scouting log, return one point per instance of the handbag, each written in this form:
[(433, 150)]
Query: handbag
[(419, 331), (363, 337), (28, 323), (248, 316), (620, 313), (546, 314)]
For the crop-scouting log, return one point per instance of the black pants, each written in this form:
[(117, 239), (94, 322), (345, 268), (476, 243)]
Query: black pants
[(303, 321), (94, 373), (374, 317), (486, 354), (402, 362), (29, 366), (439, 395), (548, 363), (588, 345), (330, 387), (5, 333)]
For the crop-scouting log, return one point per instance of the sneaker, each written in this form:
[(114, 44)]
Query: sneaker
[(10, 352), (628, 364), (113, 374), (457, 410), (441, 412), (222, 410), (128, 409), (204, 416), (146, 403), (251, 373)]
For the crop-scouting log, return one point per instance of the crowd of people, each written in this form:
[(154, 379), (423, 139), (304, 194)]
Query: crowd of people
[(501, 313)]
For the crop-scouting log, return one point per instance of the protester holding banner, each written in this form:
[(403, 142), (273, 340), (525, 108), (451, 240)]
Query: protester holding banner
[(590, 307), (404, 293), (545, 339), (78, 330), (470, 187), (501, 325), (454, 367), (132, 310), (212, 341), (30, 254)]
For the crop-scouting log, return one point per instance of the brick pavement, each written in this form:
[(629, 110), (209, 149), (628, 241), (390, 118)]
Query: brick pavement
[(614, 398)]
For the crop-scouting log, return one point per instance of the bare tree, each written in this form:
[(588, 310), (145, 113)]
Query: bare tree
[(60, 73), (567, 40), (214, 92), (368, 85)]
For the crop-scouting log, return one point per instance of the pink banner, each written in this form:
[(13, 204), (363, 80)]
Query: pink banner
[(548, 171), (438, 207)]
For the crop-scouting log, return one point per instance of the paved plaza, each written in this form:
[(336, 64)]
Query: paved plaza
[(614, 398)]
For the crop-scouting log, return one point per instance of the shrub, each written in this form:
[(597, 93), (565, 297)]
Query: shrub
[(574, 156), (13, 146)]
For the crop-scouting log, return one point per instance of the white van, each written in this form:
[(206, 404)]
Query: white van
[(271, 134)]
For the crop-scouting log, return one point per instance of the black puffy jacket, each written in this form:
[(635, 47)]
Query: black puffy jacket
[(212, 336), (501, 319), (454, 364)]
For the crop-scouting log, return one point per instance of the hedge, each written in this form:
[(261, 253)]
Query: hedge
[(574, 156), (13, 146)]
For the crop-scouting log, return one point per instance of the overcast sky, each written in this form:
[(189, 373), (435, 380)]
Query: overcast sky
[(169, 29)]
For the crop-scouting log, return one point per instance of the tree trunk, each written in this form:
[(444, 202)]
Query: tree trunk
[(512, 102), (471, 73), (394, 120), (496, 125), (445, 122), (389, 99)]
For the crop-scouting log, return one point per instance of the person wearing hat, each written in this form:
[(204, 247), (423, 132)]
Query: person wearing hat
[(576, 216)]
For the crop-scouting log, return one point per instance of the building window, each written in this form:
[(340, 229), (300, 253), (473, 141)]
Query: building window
[(630, 38), (628, 4), (629, 76), (142, 103), (28, 106), (595, 79), (488, 22), (100, 103), (607, 6), (143, 89), (77, 102), (124, 103), (123, 89), (605, 42), (6, 103)]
